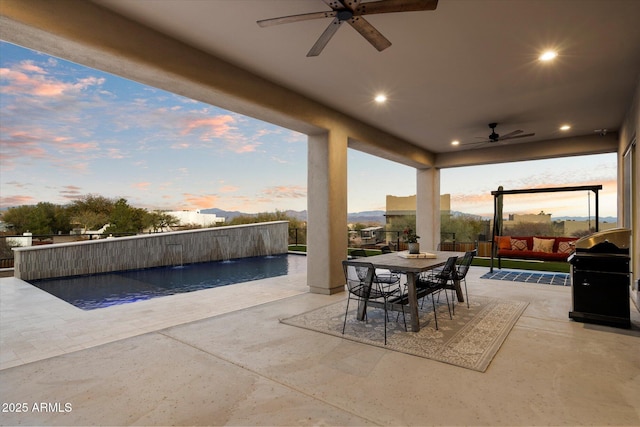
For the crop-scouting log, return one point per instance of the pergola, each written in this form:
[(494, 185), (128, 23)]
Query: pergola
[(497, 206)]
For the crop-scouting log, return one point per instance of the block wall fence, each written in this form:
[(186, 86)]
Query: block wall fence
[(151, 250)]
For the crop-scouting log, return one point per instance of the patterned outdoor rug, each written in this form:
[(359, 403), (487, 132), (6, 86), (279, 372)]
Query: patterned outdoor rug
[(470, 340), (559, 279)]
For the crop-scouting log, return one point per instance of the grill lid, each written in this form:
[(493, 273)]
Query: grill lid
[(615, 240)]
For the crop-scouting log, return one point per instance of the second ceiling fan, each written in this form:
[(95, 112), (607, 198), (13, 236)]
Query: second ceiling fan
[(352, 11), (494, 137)]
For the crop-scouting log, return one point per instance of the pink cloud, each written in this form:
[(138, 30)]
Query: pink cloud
[(229, 189), (181, 145), (18, 145), (114, 153), (243, 148), (141, 185), (7, 202), (80, 146), (200, 202), (31, 67), (212, 127), (18, 184), (286, 192), (33, 80), (218, 127), (71, 192)]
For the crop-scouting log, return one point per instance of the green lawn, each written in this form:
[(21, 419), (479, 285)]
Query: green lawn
[(559, 267)]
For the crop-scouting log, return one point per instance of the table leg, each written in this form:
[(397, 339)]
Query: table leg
[(413, 302), (362, 310), (456, 285)]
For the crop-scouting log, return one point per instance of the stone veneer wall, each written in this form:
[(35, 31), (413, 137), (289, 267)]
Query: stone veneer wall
[(151, 250)]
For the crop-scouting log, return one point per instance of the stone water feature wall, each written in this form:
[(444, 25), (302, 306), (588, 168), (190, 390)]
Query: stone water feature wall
[(151, 250)]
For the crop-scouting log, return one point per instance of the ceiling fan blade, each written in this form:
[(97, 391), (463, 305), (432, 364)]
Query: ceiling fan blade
[(370, 33), (390, 6), (296, 18), (325, 37), (517, 136), (511, 134), (477, 142)]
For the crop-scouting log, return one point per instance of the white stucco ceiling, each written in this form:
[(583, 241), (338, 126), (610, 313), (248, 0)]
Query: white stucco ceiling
[(448, 73)]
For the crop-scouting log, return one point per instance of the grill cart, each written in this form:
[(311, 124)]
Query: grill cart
[(600, 278)]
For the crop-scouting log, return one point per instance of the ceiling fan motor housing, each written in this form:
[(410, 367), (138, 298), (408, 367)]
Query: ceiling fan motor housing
[(494, 136), (344, 15)]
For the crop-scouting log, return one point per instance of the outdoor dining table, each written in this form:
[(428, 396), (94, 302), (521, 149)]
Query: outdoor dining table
[(411, 267)]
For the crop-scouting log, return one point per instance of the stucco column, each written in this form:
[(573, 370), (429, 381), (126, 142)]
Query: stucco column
[(327, 212), (428, 207)]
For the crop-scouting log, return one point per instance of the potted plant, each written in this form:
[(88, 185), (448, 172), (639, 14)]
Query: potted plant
[(412, 239)]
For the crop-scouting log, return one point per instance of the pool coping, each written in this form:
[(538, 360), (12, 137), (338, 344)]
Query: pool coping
[(37, 325)]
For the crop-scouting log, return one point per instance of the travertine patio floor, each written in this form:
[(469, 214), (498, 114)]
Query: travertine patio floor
[(221, 357)]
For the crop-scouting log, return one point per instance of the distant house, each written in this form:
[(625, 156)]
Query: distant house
[(406, 206), (372, 235), (197, 218), (564, 227), (541, 218), (90, 233)]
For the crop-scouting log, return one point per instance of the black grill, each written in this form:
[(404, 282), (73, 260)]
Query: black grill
[(600, 278)]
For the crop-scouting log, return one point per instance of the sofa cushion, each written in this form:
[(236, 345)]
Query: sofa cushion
[(504, 242), (518, 245), (541, 256), (566, 247), (543, 245)]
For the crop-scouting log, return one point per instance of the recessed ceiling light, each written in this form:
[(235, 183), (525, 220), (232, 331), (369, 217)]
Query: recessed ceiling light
[(565, 127), (548, 55), (380, 98), (456, 142)]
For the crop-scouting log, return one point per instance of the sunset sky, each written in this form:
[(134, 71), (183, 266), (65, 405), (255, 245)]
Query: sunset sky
[(67, 131)]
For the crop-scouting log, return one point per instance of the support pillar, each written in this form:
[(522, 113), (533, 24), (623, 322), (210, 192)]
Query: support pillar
[(327, 212), (428, 208)]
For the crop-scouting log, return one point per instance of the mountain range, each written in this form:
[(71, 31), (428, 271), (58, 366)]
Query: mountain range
[(374, 216), (364, 217)]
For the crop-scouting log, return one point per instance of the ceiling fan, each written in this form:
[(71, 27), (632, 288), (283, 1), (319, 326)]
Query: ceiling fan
[(352, 11), (494, 137)]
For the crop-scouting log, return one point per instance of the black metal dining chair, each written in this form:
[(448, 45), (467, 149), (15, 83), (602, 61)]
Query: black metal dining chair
[(461, 272), (382, 276), (363, 286), (432, 284)]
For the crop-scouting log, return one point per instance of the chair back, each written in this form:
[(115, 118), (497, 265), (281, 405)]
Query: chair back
[(461, 272), (359, 277), (447, 271)]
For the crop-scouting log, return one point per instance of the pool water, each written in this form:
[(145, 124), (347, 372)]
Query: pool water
[(104, 290)]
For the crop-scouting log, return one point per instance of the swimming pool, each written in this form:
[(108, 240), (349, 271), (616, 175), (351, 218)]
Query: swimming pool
[(104, 290)]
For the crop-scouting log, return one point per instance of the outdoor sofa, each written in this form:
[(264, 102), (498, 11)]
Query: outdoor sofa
[(541, 248)]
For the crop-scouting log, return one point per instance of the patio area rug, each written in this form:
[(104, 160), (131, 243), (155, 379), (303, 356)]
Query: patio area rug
[(470, 340), (558, 279)]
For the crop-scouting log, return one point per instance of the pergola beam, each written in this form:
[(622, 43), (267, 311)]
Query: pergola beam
[(593, 188)]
